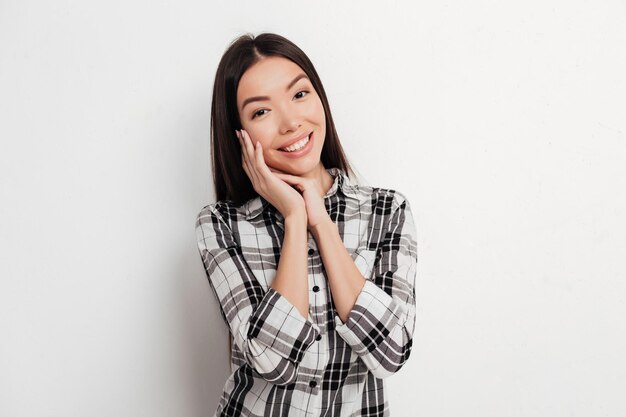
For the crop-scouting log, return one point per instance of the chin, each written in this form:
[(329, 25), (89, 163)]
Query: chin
[(302, 168)]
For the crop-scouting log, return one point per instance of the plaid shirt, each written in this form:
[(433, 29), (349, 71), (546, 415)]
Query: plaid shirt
[(284, 364)]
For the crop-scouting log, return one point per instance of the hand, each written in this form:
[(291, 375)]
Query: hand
[(313, 197), (280, 195)]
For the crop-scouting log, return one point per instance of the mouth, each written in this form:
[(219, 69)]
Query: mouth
[(299, 148)]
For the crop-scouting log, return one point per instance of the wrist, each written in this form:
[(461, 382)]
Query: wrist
[(297, 218), (323, 227)]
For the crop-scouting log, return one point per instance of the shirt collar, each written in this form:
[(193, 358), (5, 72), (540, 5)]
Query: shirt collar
[(341, 182)]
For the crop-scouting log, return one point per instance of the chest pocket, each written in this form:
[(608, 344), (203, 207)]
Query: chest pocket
[(365, 260)]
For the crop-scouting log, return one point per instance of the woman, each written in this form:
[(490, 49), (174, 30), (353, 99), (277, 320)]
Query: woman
[(314, 273)]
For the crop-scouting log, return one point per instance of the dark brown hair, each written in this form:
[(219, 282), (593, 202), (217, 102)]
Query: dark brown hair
[(230, 180)]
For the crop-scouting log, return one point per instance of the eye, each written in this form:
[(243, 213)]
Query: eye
[(303, 91), (258, 113)]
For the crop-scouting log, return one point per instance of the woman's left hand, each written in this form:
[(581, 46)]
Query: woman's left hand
[(313, 196)]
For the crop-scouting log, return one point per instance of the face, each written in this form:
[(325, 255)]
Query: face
[(277, 104)]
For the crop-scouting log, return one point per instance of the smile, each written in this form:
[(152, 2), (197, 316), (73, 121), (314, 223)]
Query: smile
[(297, 145), (300, 148)]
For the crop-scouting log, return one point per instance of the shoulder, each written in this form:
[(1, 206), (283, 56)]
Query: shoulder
[(388, 199), (391, 211), (225, 211), (214, 225)]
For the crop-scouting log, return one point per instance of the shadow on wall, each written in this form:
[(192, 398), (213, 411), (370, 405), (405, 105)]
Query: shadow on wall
[(205, 337)]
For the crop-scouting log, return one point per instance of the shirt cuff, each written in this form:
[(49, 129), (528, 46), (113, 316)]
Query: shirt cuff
[(373, 316)]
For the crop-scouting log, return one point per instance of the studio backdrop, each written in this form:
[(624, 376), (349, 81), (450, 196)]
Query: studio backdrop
[(502, 122)]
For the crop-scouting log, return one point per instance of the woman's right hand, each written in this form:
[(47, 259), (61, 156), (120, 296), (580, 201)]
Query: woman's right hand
[(286, 199)]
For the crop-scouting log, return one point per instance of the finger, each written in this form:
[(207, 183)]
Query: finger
[(250, 171), (274, 170), (243, 142), (292, 180), (245, 160), (283, 176), (260, 160), (250, 157), (242, 147), (245, 168), (248, 146)]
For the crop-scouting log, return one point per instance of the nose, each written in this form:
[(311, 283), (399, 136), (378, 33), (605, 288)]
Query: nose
[(290, 120)]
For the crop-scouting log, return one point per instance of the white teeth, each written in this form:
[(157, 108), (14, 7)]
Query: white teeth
[(297, 145)]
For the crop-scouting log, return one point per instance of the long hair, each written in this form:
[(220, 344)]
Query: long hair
[(230, 180)]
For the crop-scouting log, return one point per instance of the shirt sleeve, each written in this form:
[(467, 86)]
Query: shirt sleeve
[(380, 326), (269, 330)]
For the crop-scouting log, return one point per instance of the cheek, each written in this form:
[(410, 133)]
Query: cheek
[(315, 112), (265, 135), (320, 117), (260, 133)]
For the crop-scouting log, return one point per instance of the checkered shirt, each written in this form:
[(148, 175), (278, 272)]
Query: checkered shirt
[(285, 364)]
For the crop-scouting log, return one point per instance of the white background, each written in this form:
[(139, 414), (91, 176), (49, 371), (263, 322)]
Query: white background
[(503, 123)]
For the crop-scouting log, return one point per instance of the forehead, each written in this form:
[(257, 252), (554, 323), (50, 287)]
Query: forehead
[(269, 75)]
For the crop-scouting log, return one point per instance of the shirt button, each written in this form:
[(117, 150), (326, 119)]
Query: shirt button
[(312, 384), (311, 251), (319, 337), (316, 288)]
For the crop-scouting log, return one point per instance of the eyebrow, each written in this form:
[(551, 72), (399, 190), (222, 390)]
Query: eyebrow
[(261, 98)]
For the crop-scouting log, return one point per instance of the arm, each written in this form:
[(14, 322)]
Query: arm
[(271, 332), (376, 317), (292, 277)]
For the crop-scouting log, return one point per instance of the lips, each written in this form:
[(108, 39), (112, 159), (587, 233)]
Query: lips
[(302, 151), (294, 140), (306, 142)]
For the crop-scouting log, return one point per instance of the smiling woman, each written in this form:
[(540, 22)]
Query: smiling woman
[(314, 273), (286, 118), (262, 85)]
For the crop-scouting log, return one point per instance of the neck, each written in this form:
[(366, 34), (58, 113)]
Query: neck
[(322, 177)]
